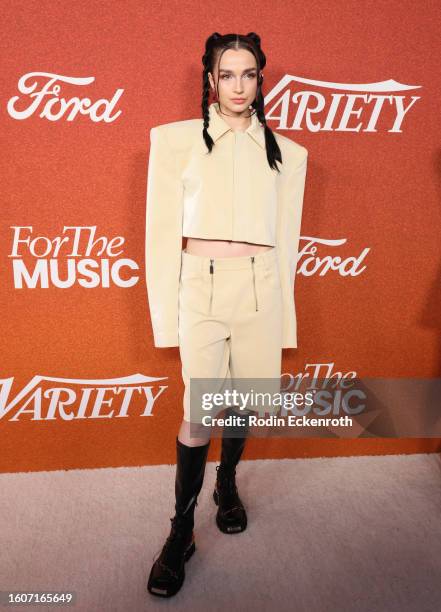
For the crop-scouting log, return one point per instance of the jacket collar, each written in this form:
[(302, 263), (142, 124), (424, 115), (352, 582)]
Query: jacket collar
[(218, 126)]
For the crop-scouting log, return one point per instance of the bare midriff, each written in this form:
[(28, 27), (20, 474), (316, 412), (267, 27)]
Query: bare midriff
[(223, 248)]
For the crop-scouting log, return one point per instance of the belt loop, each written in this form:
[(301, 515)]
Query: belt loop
[(272, 259), (265, 260), (206, 267)]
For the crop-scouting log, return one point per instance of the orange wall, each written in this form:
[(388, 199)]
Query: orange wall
[(370, 187)]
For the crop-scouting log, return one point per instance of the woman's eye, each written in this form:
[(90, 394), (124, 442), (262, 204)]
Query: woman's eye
[(250, 75)]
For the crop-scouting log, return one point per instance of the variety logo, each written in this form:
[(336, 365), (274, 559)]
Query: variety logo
[(41, 91), (49, 399), (324, 106), (77, 258)]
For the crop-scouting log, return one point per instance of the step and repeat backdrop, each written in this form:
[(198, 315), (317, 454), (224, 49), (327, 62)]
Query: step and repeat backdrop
[(356, 83)]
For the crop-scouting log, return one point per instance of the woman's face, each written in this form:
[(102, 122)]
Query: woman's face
[(235, 77)]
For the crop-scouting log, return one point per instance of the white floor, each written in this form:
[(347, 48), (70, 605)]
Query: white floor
[(345, 534)]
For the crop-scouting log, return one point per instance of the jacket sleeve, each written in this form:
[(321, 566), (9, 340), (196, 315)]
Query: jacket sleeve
[(163, 242), (290, 205)]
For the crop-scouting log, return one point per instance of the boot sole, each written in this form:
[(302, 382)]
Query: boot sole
[(164, 592), (225, 527)]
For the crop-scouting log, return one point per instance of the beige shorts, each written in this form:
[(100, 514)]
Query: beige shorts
[(230, 325)]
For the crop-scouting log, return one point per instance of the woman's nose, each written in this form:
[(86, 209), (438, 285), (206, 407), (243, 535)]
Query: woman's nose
[(238, 87)]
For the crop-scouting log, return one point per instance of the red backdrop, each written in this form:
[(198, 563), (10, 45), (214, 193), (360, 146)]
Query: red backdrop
[(82, 84)]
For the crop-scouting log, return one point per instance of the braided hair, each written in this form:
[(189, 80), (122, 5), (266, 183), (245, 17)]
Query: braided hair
[(215, 46)]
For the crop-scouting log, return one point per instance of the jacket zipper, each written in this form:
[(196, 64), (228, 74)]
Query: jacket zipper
[(212, 278), (254, 281)]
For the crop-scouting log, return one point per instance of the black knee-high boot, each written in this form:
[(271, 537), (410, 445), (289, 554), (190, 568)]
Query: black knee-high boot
[(231, 516), (167, 574)]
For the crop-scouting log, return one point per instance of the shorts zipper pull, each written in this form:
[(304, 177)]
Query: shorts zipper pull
[(254, 281), (211, 290)]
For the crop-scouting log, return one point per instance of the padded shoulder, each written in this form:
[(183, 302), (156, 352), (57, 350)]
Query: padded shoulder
[(292, 150), (181, 134)]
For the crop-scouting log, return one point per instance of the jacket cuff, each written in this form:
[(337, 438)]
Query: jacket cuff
[(162, 340)]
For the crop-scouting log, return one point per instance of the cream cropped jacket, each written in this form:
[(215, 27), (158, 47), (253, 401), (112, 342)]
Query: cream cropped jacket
[(228, 194)]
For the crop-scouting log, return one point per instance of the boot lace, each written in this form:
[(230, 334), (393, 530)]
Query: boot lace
[(227, 489), (226, 479), (170, 557)]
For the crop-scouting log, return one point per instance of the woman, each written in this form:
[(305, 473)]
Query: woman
[(227, 299)]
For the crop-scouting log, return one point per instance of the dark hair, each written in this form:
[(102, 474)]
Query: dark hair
[(215, 46)]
